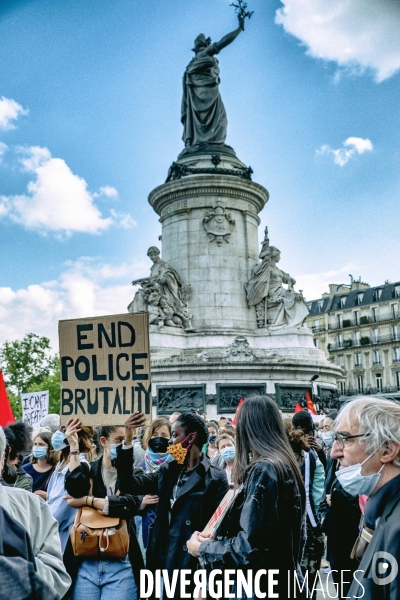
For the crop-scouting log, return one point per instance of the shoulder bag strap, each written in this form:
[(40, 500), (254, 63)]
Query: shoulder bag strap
[(49, 477)]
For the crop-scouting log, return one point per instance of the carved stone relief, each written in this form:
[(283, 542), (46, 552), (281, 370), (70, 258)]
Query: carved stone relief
[(239, 350), (287, 396), (180, 398), (218, 224), (229, 396)]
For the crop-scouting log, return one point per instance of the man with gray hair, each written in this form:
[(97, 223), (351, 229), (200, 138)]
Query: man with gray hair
[(367, 445), (34, 515)]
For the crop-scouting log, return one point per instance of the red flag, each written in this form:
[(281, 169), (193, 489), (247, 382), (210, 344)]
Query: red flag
[(6, 415), (298, 408), (236, 413), (310, 405)]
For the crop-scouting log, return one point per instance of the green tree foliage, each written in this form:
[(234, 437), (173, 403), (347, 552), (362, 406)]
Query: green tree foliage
[(52, 383), (28, 365)]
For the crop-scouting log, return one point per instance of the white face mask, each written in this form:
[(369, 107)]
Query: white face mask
[(354, 483)]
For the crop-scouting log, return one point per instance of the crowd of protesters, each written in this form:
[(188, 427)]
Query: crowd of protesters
[(309, 493)]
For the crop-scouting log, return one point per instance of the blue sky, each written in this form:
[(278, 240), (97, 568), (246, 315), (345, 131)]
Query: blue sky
[(90, 94)]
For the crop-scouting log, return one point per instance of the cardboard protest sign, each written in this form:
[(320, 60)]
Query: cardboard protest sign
[(220, 512), (35, 406), (105, 368)]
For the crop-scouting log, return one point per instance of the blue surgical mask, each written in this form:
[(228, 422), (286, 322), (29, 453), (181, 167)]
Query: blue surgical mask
[(327, 437), (113, 450), (228, 453), (39, 452), (57, 441), (212, 438), (354, 483)]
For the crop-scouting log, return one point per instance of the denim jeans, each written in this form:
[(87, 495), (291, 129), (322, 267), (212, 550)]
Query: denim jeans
[(105, 580)]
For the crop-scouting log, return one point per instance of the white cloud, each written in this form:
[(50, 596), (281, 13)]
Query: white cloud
[(108, 191), (352, 146), (3, 149), (314, 285), (57, 199), (9, 112), (84, 288), (356, 34)]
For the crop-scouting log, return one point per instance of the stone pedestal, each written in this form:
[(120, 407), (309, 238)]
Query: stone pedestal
[(209, 215), (213, 253)]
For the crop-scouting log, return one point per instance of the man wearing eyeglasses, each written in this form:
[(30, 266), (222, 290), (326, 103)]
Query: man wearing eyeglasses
[(367, 445)]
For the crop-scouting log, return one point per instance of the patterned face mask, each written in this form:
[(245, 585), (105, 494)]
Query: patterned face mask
[(178, 451)]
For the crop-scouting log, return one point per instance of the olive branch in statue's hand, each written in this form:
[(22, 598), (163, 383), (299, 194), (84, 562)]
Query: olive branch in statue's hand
[(242, 12)]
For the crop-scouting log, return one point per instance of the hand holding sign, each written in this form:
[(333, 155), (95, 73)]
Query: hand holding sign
[(193, 544), (138, 419)]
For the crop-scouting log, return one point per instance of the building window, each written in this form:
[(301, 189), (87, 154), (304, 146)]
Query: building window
[(339, 322), (375, 336), (397, 291), (378, 378), (396, 354), (377, 295), (374, 314), (357, 359), (342, 385), (377, 357), (395, 311), (395, 333), (316, 343), (357, 338), (309, 306), (339, 339), (398, 379), (356, 317), (320, 305), (359, 299), (360, 384), (343, 301), (341, 360), (315, 325)]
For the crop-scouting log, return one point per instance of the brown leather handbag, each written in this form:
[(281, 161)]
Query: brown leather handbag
[(94, 535)]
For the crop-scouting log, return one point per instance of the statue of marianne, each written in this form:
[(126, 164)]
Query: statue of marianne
[(203, 113)]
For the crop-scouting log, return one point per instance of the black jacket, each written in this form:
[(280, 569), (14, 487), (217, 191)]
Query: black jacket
[(386, 538), (77, 484), (193, 508), (341, 520), (264, 528)]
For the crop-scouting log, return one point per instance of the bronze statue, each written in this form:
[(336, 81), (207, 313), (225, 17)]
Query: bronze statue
[(203, 113)]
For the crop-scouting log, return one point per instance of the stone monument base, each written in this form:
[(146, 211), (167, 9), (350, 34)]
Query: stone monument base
[(210, 372)]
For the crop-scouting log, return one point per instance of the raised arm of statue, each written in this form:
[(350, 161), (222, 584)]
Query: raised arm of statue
[(226, 40)]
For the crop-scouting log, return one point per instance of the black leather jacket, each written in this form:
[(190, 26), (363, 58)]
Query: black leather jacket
[(264, 529)]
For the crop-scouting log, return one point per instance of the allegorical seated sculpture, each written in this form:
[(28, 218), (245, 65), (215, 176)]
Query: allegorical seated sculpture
[(203, 112), (162, 295), (276, 307)]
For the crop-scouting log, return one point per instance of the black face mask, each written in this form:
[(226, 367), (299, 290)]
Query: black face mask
[(158, 444)]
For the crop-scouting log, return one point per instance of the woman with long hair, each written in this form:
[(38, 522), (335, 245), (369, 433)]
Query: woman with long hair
[(96, 485), (42, 463), (264, 526), (60, 440)]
